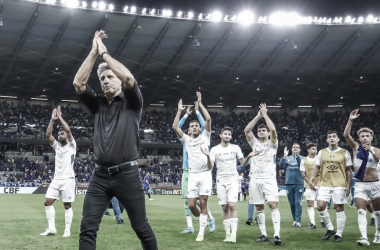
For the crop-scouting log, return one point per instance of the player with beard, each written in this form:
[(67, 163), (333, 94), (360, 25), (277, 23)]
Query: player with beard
[(263, 183), (367, 186), (64, 177), (334, 166), (200, 178), (225, 155)]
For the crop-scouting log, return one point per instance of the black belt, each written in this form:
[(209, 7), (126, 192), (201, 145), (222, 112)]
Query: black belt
[(118, 168)]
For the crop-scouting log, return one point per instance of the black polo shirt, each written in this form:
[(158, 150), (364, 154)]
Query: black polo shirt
[(116, 138)]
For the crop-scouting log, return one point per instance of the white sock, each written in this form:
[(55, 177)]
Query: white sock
[(372, 214), (377, 222), (50, 216), (202, 224), (68, 218), (189, 221), (209, 214), (340, 223), (326, 219), (227, 226), (311, 213), (234, 225), (276, 219), (261, 220), (362, 221)]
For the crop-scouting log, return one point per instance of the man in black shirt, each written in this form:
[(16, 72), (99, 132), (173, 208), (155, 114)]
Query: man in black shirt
[(116, 145)]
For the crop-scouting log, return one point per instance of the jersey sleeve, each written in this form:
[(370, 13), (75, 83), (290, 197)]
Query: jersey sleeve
[(273, 145), (201, 121), (302, 166), (318, 158), (184, 138), (239, 152), (252, 143), (55, 144), (348, 159), (207, 137), (212, 154), (73, 144)]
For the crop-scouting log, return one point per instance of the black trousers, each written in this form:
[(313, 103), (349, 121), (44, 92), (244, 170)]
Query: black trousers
[(127, 188)]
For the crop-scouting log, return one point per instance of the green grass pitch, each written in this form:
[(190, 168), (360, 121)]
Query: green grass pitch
[(23, 219)]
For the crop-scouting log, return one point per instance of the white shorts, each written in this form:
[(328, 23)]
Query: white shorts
[(200, 183), (311, 195), (227, 192), (259, 189), (367, 190), (66, 188), (338, 194)]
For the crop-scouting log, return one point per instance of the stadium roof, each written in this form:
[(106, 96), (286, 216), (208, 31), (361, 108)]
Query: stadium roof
[(43, 45)]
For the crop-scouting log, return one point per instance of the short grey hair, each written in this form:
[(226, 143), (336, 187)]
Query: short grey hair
[(103, 66)]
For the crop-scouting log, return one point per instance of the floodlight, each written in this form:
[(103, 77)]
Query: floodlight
[(125, 9), (72, 3), (102, 5), (233, 18), (348, 19), (179, 14), (143, 11), (190, 15), (133, 9), (111, 7), (216, 16), (63, 1), (369, 19), (152, 11), (167, 13), (208, 17), (245, 18), (360, 19), (200, 16), (226, 18), (84, 4), (94, 5), (281, 18)]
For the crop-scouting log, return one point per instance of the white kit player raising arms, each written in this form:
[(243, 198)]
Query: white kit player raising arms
[(263, 183), (64, 177), (225, 155), (200, 178), (367, 186)]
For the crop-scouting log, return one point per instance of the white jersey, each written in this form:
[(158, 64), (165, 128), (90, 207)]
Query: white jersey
[(263, 165), (64, 160), (197, 160), (225, 159)]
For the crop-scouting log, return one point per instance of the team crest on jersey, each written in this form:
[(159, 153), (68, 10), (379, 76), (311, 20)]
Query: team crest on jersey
[(332, 156), (314, 164)]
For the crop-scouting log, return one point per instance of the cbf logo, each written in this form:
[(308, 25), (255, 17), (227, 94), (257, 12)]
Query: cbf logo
[(332, 156)]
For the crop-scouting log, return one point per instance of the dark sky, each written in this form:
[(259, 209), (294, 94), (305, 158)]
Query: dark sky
[(264, 7)]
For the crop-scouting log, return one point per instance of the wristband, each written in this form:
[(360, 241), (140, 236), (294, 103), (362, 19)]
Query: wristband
[(105, 52), (197, 112), (186, 115)]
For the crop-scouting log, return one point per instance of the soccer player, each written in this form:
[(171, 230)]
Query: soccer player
[(200, 178), (147, 185), (263, 183), (367, 186), (225, 155), (294, 182), (334, 166), (64, 177), (185, 174), (306, 167)]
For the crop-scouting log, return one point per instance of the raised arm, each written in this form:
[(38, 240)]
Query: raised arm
[(183, 119), (119, 69), (81, 78), (50, 127), (205, 112), (199, 116), (268, 121), (347, 131), (176, 120), (64, 125), (283, 159), (248, 129)]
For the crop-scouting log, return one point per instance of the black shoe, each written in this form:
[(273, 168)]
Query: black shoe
[(263, 238), (372, 223), (119, 222), (323, 224), (337, 238), (277, 240), (249, 222), (328, 234), (312, 226), (107, 213)]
